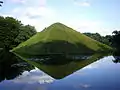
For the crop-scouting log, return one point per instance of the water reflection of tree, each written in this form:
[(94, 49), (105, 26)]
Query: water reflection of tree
[(117, 59), (11, 66), (116, 56)]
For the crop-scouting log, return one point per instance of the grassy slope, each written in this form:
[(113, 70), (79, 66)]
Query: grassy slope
[(60, 32)]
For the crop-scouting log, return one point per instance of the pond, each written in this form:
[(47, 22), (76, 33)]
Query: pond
[(89, 72)]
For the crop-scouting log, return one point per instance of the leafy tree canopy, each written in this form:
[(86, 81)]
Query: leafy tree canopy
[(13, 32), (116, 39), (103, 39)]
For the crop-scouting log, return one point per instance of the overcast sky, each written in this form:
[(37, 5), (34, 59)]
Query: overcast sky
[(102, 16)]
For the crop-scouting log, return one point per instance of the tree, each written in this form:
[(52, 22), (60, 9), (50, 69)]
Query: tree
[(98, 37), (13, 32), (115, 32), (26, 32), (116, 39), (9, 30)]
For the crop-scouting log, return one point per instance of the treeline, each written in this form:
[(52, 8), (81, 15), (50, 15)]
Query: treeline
[(13, 32), (111, 40), (103, 39)]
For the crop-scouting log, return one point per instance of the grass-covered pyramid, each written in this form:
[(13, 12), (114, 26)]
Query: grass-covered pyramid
[(60, 39)]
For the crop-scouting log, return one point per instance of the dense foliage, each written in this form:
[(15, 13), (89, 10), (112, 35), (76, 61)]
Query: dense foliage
[(12, 32), (103, 39), (25, 33), (116, 40), (111, 40)]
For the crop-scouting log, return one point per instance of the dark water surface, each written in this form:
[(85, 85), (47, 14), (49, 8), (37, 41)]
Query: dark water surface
[(93, 72)]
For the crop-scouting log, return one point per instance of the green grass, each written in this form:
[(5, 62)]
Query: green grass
[(59, 38)]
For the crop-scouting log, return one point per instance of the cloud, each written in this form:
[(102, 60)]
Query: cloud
[(30, 2), (93, 26), (36, 16), (91, 66), (85, 26), (82, 3), (18, 1), (30, 8), (38, 3), (83, 86), (32, 12), (34, 76)]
